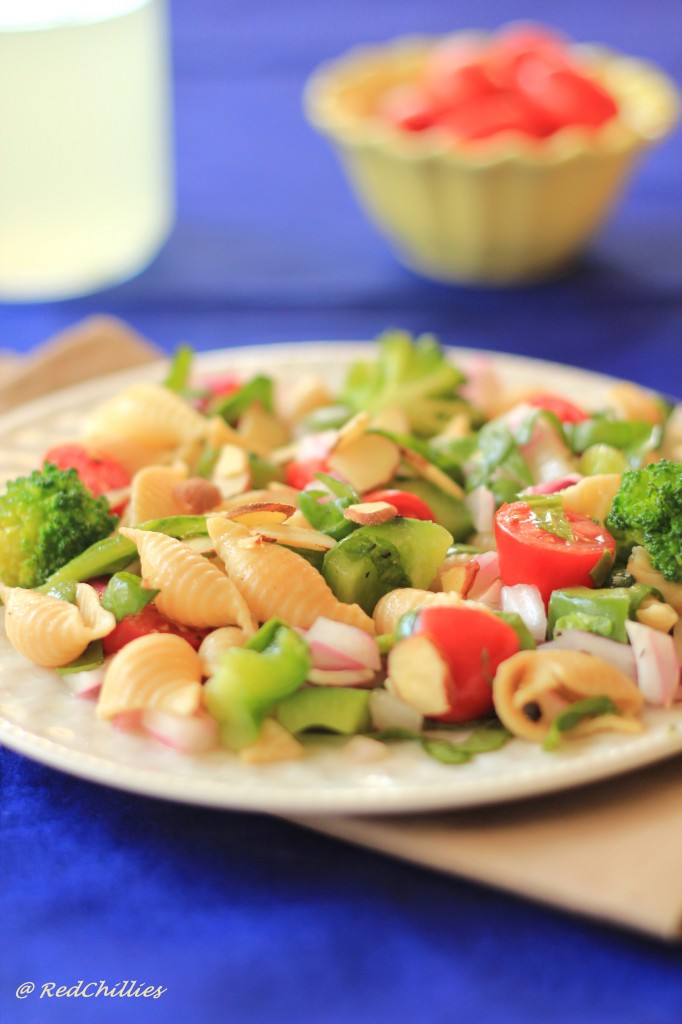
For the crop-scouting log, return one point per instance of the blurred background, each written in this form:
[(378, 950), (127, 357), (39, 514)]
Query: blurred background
[(269, 244)]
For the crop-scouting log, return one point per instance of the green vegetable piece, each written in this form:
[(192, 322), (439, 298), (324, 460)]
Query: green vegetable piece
[(125, 595), (92, 657), (264, 472), (591, 707), (601, 572), (180, 372), (396, 732), (373, 560), (413, 374), (634, 438), (45, 519), (65, 591), (115, 553), (327, 417), (549, 515), (602, 625), (513, 619), (259, 389), (332, 709), (250, 680), (499, 463), (602, 458), (385, 642), (617, 604), (325, 512), (483, 740), (207, 461), (647, 511), (449, 512)]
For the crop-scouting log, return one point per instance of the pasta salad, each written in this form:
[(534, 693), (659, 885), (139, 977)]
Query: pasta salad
[(422, 556)]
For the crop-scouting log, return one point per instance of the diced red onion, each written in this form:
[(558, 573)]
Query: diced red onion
[(492, 597), (617, 654), (390, 712), (526, 601), (357, 647), (84, 684), (547, 454), (325, 657), (481, 505), (192, 734), (488, 574), (658, 666), (128, 721), (361, 677), (316, 446), (482, 385), (552, 486)]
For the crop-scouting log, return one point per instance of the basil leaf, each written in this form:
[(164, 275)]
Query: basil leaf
[(548, 514), (180, 371), (125, 595), (325, 513), (590, 707), (230, 407), (501, 466), (92, 657)]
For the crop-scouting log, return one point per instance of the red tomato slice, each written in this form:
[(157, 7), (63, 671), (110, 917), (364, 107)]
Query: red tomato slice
[(300, 472), (566, 95), (529, 554), (473, 643), (218, 387), (149, 620), (410, 107), (100, 473), (408, 505), (564, 410)]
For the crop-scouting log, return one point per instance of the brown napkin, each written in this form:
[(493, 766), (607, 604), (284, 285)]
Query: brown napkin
[(93, 347), (611, 851)]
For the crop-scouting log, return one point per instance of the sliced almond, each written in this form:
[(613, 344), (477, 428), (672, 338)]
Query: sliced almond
[(302, 396), (196, 495), (232, 473), (459, 577), (367, 463), (432, 473), (310, 540), (261, 513), (261, 430), (370, 513), (393, 419), (352, 431)]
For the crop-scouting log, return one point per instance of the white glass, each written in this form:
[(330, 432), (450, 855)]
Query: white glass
[(86, 191)]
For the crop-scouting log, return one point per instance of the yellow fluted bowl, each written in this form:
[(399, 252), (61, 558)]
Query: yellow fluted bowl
[(512, 211)]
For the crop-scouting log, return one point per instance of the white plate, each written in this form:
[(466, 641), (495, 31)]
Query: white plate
[(40, 719)]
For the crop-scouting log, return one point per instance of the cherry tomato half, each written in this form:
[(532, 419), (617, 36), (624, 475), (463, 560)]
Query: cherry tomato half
[(529, 554), (149, 620), (408, 505), (300, 472), (564, 410), (473, 643), (100, 473)]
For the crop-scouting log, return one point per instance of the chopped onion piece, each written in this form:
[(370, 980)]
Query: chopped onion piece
[(128, 721), (192, 734), (487, 575), (390, 712), (481, 504), (547, 454), (84, 684), (552, 486), (341, 677), (617, 654), (350, 642), (526, 601), (658, 666)]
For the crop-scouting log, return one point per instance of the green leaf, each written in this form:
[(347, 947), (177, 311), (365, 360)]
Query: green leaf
[(181, 369), (590, 707), (259, 389), (549, 515), (125, 595), (324, 512), (92, 657), (481, 741)]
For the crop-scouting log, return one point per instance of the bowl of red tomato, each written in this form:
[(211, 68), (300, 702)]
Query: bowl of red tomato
[(490, 158)]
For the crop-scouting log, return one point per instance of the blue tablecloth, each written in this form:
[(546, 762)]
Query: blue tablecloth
[(245, 918)]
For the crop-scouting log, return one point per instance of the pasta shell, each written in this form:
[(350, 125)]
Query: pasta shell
[(159, 670), (132, 453), (592, 496), (554, 679), (152, 493), (639, 564), (51, 632), (277, 581), (149, 413), (213, 645), (193, 590), (393, 606)]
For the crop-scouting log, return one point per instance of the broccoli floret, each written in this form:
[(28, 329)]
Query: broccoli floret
[(411, 374), (45, 519), (647, 512)]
